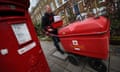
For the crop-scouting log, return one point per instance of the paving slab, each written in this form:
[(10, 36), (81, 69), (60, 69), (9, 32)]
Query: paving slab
[(58, 62), (57, 68), (115, 64), (59, 55)]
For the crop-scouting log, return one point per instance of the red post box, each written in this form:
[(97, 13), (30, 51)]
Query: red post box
[(20, 49)]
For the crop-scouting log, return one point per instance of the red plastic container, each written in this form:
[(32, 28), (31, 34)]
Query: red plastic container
[(88, 38), (57, 24)]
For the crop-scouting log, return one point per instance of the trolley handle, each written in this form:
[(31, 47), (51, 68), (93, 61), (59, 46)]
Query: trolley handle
[(84, 34)]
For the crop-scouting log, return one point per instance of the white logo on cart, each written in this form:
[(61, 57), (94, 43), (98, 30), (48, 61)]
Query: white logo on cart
[(78, 49), (74, 42)]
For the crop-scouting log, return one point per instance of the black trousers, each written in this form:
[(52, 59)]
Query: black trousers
[(56, 41)]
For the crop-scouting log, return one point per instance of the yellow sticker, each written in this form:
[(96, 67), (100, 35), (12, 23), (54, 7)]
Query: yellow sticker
[(77, 46)]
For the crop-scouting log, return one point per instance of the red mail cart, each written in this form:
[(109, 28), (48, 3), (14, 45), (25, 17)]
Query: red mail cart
[(88, 38)]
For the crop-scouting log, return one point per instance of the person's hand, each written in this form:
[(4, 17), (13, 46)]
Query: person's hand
[(47, 33), (50, 29)]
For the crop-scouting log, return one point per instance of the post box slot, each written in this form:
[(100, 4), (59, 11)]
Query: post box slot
[(22, 3), (11, 13)]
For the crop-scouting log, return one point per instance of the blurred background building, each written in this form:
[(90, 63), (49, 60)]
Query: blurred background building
[(72, 10), (69, 10)]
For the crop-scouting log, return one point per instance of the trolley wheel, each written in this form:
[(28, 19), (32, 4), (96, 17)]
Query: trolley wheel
[(98, 65), (73, 59)]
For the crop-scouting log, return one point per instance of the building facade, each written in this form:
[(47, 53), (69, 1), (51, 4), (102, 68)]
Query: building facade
[(67, 9), (57, 6)]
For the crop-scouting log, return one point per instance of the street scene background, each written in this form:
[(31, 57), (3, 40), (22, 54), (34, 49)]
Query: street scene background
[(71, 11)]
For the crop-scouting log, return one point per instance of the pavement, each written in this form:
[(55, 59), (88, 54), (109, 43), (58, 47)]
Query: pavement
[(59, 63)]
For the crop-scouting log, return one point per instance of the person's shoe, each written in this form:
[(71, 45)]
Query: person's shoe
[(62, 52)]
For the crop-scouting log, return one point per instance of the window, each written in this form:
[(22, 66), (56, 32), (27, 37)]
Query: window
[(100, 1), (52, 6), (58, 3), (76, 9), (61, 13), (64, 1)]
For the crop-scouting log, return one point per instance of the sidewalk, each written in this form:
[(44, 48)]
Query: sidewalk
[(58, 62)]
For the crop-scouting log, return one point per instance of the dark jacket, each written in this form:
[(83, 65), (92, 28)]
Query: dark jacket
[(47, 20)]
